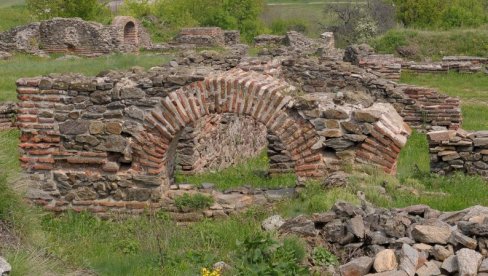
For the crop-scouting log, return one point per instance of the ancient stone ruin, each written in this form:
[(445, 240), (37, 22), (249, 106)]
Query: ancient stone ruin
[(109, 142), (391, 66), (415, 240), (7, 115), (76, 36), (207, 36)]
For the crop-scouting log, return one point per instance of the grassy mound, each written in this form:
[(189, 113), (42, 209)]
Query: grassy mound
[(434, 44)]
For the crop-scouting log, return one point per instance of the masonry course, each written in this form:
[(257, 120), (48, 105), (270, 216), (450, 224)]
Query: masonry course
[(113, 137)]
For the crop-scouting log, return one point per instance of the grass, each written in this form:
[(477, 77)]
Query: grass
[(435, 44), (12, 16), (311, 16), (29, 66), (472, 89), (149, 245), (7, 3), (252, 173)]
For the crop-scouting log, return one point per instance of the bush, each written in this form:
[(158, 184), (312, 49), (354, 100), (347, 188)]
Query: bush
[(262, 255), (193, 202), (323, 257), (445, 14), (171, 15), (85, 9), (358, 23)]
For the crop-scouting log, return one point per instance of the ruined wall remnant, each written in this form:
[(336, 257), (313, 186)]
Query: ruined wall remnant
[(8, 111), (422, 108), (389, 66), (207, 36), (110, 142), (219, 141), (459, 151), (22, 39), (76, 36)]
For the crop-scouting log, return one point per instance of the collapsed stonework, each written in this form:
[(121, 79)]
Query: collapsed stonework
[(391, 66), (415, 240), (8, 111), (208, 36), (76, 36), (459, 151)]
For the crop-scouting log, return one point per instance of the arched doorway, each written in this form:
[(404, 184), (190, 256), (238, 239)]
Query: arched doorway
[(246, 93), (130, 33)]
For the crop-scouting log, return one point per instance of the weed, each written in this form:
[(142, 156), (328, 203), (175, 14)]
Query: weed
[(262, 255), (323, 257), (193, 202)]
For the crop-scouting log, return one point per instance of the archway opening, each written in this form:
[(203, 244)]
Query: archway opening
[(229, 151), (70, 48), (130, 34)]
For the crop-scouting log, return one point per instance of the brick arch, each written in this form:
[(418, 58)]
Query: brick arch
[(130, 33), (261, 97)]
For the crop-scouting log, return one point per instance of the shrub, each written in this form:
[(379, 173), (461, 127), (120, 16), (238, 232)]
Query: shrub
[(175, 14), (193, 202), (359, 23), (323, 257), (85, 9), (262, 255), (442, 13)]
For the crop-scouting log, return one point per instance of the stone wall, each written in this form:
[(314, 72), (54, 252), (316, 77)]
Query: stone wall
[(109, 141), (448, 64), (391, 67), (422, 108), (203, 36), (75, 36), (22, 39), (364, 56), (219, 141), (459, 151), (8, 111)]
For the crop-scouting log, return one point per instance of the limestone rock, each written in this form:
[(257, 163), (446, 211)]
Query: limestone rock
[(385, 261), (440, 253), (356, 226), (389, 273), (357, 267), (451, 264), (5, 55), (431, 234), (272, 223), (5, 267), (469, 261), (409, 258), (484, 266), (429, 269), (300, 225)]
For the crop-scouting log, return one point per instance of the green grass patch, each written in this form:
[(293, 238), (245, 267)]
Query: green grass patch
[(7, 3), (472, 89), (312, 16), (13, 16), (435, 44), (193, 202), (30, 66), (147, 245), (251, 173)]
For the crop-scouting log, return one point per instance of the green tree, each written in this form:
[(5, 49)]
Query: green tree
[(85, 9), (442, 13)]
